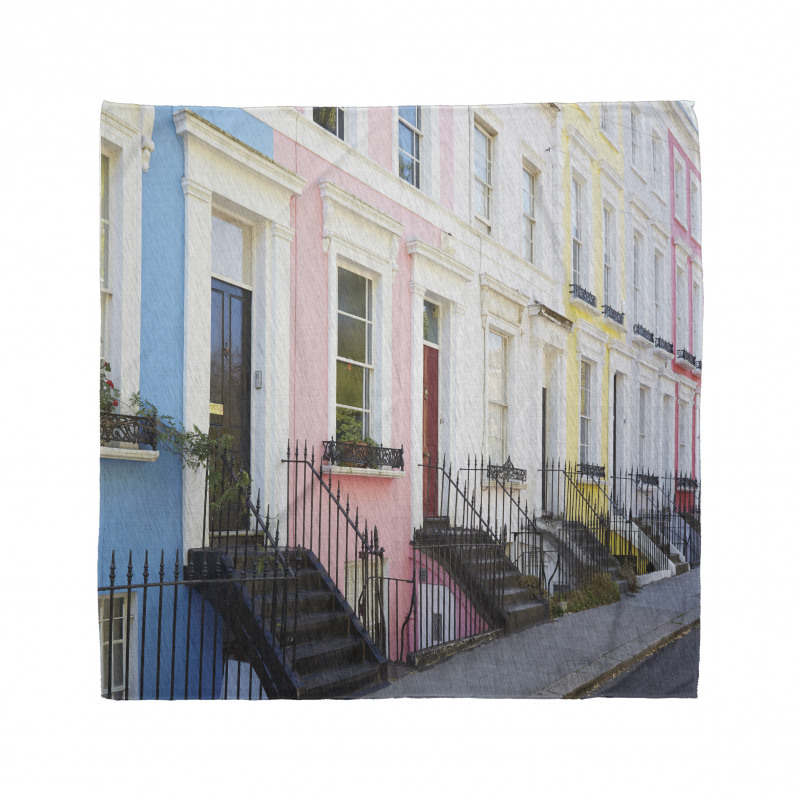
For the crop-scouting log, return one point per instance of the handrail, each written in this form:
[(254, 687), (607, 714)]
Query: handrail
[(270, 543), (468, 506)]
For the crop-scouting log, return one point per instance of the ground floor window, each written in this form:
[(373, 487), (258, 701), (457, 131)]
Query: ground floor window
[(117, 647)]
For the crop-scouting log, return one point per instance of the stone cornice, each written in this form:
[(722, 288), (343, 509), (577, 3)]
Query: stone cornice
[(617, 346), (193, 189), (541, 310), (681, 248), (576, 139), (333, 194), (187, 123), (489, 283), (113, 121), (419, 249), (282, 231), (610, 174)]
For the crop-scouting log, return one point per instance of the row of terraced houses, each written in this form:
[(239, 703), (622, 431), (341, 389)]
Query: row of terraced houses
[(458, 351)]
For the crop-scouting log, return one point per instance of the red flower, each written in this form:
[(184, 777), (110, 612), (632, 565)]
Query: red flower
[(110, 383), (115, 403)]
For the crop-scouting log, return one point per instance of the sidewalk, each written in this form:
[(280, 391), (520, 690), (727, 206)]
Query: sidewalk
[(557, 659)]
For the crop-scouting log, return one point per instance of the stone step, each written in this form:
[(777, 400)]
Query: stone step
[(339, 681), (324, 654)]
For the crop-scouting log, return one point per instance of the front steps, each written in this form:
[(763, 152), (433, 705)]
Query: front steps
[(323, 650), (484, 573)]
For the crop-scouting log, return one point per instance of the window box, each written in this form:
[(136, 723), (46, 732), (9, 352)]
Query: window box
[(686, 359), (124, 428), (362, 455), (698, 367), (642, 336), (663, 347), (506, 473), (613, 315), (584, 296)]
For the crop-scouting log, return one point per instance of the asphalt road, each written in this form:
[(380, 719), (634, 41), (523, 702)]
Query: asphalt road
[(671, 671)]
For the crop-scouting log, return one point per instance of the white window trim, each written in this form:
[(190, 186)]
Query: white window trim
[(591, 346), (360, 238), (678, 161), (420, 133), (696, 230), (529, 170), (125, 137), (131, 643), (493, 328), (491, 132), (611, 299), (608, 111), (637, 143)]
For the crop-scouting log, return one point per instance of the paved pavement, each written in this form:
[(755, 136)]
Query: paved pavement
[(566, 657)]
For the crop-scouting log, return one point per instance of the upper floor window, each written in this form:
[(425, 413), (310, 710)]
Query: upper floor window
[(659, 320), (607, 120), (528, 213), (483, 179), (331, 118), (354, 362), (576, 206), (694, 199), (105, 229), (409, 134), (584, 455), (679, 176), (609, 259), (658, 164), (498, 397), (636, 138), (644, 399), (637, 277)]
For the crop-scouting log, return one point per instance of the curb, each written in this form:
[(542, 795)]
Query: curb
[(582, 681)]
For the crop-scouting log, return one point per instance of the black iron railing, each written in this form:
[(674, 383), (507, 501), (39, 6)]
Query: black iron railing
[(663, 344), (505, 473), (162, 636), (592, 470), (128, 428), (579, 293), (699, 364), (685, 355), (359, 454), (345, 546), (640, 330), (614, 315)]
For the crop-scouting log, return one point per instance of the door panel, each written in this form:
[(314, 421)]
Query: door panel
[(230, 379), (430, 428)]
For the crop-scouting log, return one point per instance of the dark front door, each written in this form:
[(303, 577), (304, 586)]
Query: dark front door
[(430, 428), (229, 412)]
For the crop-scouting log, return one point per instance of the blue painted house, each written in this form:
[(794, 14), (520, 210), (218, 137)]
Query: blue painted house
[(190, 199)]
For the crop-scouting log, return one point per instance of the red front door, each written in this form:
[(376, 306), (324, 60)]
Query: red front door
[(430, 428)]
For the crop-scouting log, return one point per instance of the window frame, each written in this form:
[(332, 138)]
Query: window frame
[(609, 239), (577, 202), (658, 301), (416, 134), (367, 366), (127, 640), (486, 223), (585, 412), (636, 138), (638, 246), (529, 192), (679, 188), (695, 213), (339, 130), (502, 405), (644, 399)]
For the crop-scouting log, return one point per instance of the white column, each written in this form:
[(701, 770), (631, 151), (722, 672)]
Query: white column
[(279, 348), (414, 455), (196, 345)]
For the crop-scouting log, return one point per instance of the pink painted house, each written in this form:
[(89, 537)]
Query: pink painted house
[(687, 301)]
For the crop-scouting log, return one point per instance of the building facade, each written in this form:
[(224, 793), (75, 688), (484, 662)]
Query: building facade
[(437, 288)]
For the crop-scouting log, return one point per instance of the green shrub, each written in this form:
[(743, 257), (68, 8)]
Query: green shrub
[(601, 590)]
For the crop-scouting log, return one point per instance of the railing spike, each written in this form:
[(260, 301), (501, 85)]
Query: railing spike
[(146, 568), (161, 568), (177, 563), (112, 572), (130, 567)]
